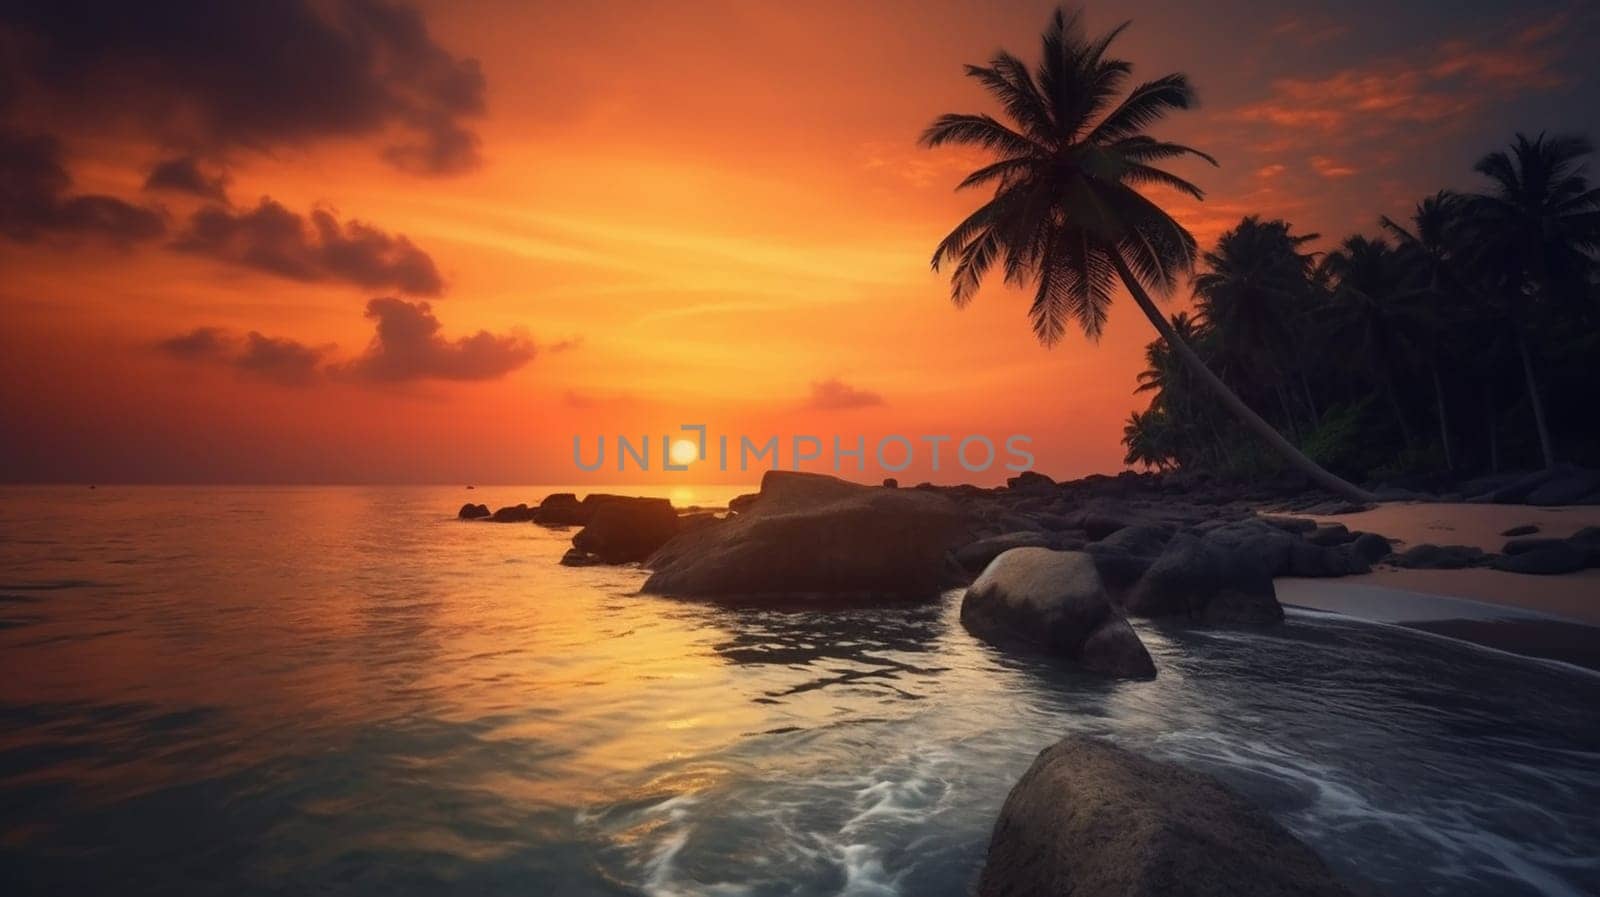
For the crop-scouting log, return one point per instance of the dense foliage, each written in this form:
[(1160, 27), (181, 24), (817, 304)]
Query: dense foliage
[(1462, 340)]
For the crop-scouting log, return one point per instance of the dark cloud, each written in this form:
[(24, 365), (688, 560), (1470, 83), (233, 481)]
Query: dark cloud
[(201, 343), (183, 175), (273, 239), (205, 76), (35, 201), (282, 361), (285, 362), (835, 394), (408, 346)]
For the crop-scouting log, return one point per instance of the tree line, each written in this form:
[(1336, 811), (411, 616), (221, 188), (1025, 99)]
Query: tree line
[(1458, 341)]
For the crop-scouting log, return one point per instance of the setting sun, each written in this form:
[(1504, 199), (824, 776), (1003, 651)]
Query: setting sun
[(684, 452)]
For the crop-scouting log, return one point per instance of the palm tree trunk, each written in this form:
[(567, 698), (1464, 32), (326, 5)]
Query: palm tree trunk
[(1250, 419), (1536, 402), (1444, 418)]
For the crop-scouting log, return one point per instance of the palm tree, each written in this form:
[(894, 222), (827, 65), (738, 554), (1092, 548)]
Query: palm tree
[(1254, 296), (1066, 216), (1536, 231), (1374, 313), (1433, 249)]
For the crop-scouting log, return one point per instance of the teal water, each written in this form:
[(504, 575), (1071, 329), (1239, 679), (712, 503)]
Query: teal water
[(347, 691)]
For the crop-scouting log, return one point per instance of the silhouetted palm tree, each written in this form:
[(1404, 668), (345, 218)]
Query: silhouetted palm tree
[(1536, 231), (1374, 313), (1066, 216), (1433, 250), (1254, 295)]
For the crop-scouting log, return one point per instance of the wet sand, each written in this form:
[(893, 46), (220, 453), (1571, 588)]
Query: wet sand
[(1553, 617)]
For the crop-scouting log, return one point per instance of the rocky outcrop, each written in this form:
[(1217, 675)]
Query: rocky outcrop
[(1053, 602), (470, 511), (1206, 581), (1124, 556), (812, 537), (621, 530), (1545, 560), (974, 556), (1091, 819), (512, 514), (561, 509)]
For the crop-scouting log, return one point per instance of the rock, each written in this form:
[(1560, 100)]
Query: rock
[(621, 530), (1054, 602), (1140, 538), (561, 509), (1091, 819), (470, 511), (1329, 535), (1548, 560), (1569, 486), (1517, 491), (1527, 529), (514, 514), (1296, 525), (891, 483), (577, 558), (1440, 557), (1371, 547), (1310, 560), (1335, 507), (812, 536), (977, 555), (1206, 581), (1031, 481), (1285, 555), (1523, 546)]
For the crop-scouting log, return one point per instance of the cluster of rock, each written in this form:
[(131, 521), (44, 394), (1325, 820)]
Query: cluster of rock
[(1092, 819), (1522, 554)]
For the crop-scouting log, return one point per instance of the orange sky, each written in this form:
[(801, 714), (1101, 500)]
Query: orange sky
[(712, 215)]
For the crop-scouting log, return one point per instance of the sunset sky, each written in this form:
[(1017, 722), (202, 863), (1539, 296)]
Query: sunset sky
[(348, 241)]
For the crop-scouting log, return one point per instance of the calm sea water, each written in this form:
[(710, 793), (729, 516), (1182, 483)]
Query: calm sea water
[(346, 691)]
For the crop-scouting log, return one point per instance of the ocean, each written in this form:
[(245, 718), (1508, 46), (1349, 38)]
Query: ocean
[(235, 691)]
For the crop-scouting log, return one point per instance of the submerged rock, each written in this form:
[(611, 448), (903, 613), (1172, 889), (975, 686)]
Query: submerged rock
[(1527, 529), (1054, 602), (812, 536), (1208, 582), (470, 511), (1091, 819), (621, 530)]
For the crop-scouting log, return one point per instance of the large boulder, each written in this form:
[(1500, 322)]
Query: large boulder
[(812, 536), (1206, 581), (1091, 819), (1053, 602), (621, 530), (470, 511)]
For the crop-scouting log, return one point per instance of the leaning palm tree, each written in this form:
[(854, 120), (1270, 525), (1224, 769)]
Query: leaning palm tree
[(1067, 217), (1536, 229)]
